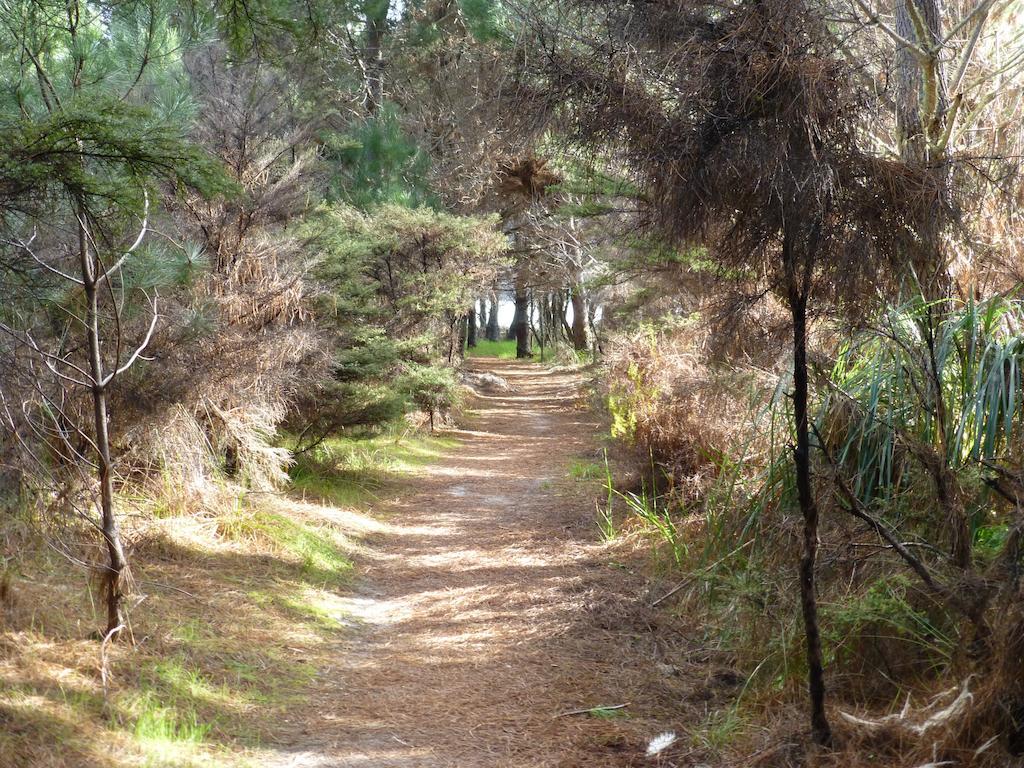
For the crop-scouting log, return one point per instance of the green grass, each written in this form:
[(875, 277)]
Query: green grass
[(653, 510), (506, 350), (348, 471), (580, 469), (156, 722), (318, 549), (720, 729)]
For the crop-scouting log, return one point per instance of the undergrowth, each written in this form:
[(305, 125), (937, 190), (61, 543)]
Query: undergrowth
[(716, 496), (349, 471), (242, 602)]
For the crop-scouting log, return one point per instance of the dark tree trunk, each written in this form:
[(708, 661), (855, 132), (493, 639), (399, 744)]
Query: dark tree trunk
[(520, 328), (518, 316), (471, 328), (559, 328), (579, 319), (798, 279), (564, 319), (456, 337), (551, 318), (543, 311), (493, 332)]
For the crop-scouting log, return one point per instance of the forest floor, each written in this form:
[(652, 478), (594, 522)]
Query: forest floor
[(461, 609), (488, 611)]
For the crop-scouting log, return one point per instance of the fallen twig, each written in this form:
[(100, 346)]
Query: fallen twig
[(591, 710)]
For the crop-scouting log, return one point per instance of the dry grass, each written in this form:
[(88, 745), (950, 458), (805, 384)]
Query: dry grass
[(678, 408), (234, 614)]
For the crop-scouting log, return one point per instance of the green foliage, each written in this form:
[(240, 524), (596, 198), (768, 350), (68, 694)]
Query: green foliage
[(378, 164), (887, 420), (651, 509), (433, 389), (884, 612), (399, 279), (486, 19), (581, 469), (70, 123), (625, 402), (408, 264), (592, 181), (880, 379), (103, 151)]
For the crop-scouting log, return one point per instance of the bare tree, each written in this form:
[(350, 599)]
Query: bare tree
[(98, 268)]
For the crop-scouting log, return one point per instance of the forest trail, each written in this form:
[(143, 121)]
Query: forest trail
[(487, 608)]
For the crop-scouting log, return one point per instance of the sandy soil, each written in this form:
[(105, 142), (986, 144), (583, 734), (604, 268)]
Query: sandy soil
[(488, 608)]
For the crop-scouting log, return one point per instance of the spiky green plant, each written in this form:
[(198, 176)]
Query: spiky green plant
[(946, 384)]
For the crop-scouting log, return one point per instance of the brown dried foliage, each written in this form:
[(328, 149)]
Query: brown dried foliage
[(737, 121)]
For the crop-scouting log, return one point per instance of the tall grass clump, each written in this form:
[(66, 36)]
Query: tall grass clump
[(913, 383)]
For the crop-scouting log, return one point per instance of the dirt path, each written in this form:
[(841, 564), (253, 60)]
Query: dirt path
[(488, 608)]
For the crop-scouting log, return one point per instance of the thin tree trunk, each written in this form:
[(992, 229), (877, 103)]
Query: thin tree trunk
[(542, 310), (595, 337), (921, 99), (117, 563), (456, 337), (921, 114), (798, 285), (946, 492)]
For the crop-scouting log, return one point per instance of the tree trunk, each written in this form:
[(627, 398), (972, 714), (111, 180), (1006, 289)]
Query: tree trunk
[(542, 311), (373, 54), (921, 115), (520, 328), (471, 327), (456, 337), (798, 286), (921, 99), (117, 563), (579, 319), (595, 337), (493, 332)]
